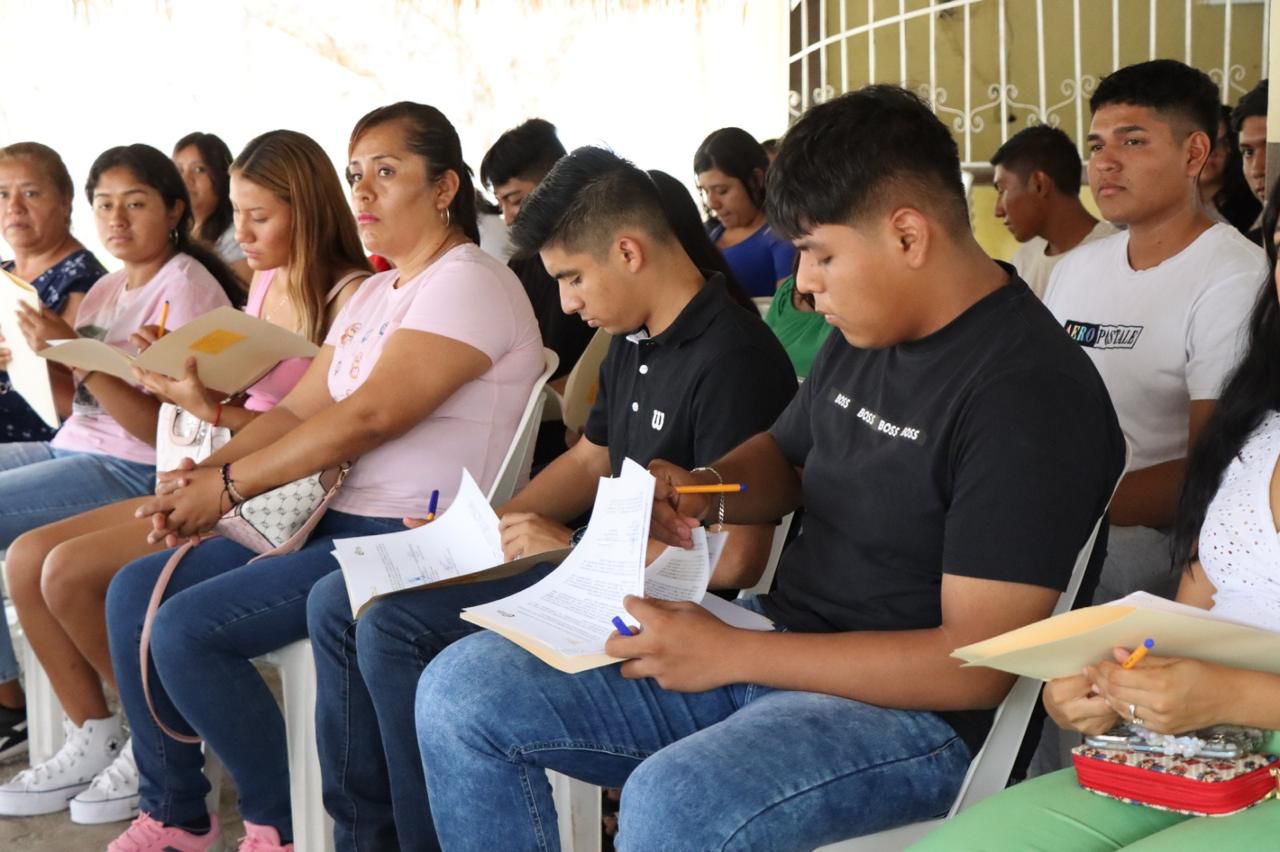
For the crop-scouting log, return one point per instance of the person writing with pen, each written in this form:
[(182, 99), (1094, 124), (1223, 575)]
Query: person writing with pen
[(953, 451), (690, 373)]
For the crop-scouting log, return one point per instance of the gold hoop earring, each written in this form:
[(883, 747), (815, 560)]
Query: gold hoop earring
[(447, 217)]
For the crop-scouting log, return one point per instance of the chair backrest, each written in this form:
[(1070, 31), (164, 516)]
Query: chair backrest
[(989, 770), (514, 469), (580, 388), (775, 553)]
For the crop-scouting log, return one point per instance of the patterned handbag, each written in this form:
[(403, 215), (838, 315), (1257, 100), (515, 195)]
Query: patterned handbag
[(1197, 786), (274, 522)]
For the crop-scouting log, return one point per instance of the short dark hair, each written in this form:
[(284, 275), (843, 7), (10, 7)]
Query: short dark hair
[(1253, 103), (527, 152), (217, 158), (430, 135), (1046, 149), (1166, 86), (583, 201), (860, 153), (735, 152)]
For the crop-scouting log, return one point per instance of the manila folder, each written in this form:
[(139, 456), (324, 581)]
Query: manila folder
[(1066, 643)]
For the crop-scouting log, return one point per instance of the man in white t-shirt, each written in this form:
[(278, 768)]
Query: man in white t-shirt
[(1037, 181), (1160, 308)]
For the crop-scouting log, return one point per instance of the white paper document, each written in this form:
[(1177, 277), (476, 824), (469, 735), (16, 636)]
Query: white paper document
[(566, 617), (682, 575), (28, 372), (463, 540)]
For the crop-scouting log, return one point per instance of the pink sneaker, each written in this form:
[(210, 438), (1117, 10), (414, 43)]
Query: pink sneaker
[(262, 838), (148, 835)]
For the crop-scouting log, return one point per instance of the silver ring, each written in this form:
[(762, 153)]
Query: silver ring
[(1133, 713)]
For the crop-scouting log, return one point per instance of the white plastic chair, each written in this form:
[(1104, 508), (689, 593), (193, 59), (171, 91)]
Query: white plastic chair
[(514, 470), (580, 387), (578, 810)]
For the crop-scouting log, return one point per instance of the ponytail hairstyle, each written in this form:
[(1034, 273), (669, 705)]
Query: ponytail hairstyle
[(686, 223), (217, 159), (152, 168), (323, 242), (1251, 393), (430, 135)]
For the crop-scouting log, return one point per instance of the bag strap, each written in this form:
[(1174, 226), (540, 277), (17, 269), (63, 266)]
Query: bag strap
[(360, 274), (144, 647)]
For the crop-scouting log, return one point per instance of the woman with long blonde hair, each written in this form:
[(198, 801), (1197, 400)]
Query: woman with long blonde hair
[(298, 235)]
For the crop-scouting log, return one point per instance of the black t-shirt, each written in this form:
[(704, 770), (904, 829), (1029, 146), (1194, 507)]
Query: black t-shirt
[(566, 334), (713, 378), (987, 449)]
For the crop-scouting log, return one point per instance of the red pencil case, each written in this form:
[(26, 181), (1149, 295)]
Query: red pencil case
[(1198, 786)]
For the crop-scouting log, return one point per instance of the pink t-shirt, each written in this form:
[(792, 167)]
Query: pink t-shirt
[(266, 393), (111, 313), (470, 297)]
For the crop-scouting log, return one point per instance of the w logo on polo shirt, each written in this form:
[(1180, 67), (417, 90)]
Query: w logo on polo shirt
[(659, 418)]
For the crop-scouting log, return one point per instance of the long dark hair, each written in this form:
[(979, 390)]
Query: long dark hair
[(1252, 391), (157, 171), (735, 152), (217, 158), (430, 135), (686, 223)]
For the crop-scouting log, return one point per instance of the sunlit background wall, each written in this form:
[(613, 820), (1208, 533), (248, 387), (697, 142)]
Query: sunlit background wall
[(649, 79)]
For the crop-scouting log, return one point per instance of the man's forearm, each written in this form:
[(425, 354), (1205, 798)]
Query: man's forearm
[(773, 485), (563, 490), (909, 669)]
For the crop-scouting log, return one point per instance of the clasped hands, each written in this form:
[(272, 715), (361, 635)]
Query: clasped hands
[(187, 503), (1168, 695)]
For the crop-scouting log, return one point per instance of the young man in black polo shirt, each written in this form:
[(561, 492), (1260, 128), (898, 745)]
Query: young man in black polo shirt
[(689, 375), (952, 449)]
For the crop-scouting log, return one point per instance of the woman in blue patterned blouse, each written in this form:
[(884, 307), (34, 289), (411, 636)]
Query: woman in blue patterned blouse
[(35, 220)]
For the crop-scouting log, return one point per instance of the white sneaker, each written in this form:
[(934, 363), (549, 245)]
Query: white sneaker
[(113, 795), (47, 787)]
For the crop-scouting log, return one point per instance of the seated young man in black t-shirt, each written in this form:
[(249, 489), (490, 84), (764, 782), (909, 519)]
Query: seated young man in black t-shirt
[(953, 451), (689, 375)]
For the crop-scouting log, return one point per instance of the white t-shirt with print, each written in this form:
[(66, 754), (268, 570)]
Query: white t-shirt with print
[(1160, 337)]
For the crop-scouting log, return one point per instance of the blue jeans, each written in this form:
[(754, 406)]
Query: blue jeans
[(366, 676), (40, 484), (740, 767), (218, 614)]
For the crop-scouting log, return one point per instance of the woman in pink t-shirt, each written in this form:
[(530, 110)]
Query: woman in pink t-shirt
[(296, 230), (104, 452), (426, 371)]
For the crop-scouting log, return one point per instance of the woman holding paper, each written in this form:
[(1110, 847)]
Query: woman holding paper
[(104, 452), (292, 219), (425, 372), (1232, 554), (35, 219)]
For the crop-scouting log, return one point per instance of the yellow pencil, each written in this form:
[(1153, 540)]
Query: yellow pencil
[(164, 316), (1138, 653), (726, 488)]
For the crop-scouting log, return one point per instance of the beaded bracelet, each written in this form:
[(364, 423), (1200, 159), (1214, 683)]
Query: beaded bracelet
[(229, 486)]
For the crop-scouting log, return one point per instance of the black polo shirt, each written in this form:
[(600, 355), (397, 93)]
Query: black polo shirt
[(715, 377), (566, 334), (986, 450)]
